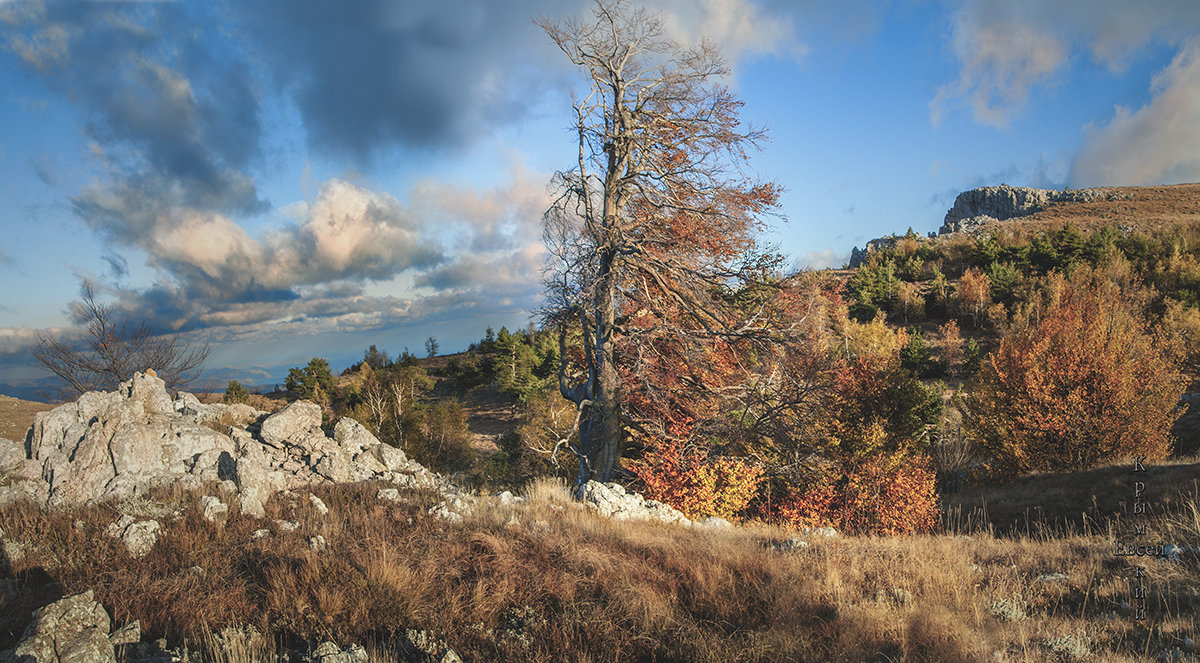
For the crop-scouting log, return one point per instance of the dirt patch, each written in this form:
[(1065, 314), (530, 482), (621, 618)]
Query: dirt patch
[(16, 416)]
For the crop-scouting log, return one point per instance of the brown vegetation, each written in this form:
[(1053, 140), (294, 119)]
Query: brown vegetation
[(552, 581)]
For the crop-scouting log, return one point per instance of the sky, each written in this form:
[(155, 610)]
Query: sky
[(284, 179)]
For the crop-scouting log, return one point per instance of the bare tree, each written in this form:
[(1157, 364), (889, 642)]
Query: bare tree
[(656, 219), (115, 349)]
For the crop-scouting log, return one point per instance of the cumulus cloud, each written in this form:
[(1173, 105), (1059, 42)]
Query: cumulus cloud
[(1158, 143), (1006, 48), (495, 219)]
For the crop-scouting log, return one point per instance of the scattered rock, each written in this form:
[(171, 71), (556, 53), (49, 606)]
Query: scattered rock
[(442, 510), (328, 652), (714, 521), (318, 505), (388, 494), (212, 508), (789, 545), (260, 534), (611, 500), (1051, 577), (139, 536), (507, 498), (127, 634), (287, 525), (318, 543), (293, 422)]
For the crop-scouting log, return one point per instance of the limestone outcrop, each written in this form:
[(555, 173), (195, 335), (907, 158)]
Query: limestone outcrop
[(119, 444), (975, 208)]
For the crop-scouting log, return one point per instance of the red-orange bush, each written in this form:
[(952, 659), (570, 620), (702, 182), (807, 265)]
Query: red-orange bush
[(698, 486), (1088, 382), (881, 494)]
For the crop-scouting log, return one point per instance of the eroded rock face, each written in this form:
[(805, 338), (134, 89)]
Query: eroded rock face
[(119, 444)]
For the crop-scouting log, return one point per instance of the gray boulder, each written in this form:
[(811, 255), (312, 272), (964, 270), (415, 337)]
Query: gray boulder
[(291, 423), (611, 500), (73, 630)]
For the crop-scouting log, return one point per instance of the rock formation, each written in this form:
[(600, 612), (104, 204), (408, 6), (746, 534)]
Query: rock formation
[(119, 444), (975, 208)]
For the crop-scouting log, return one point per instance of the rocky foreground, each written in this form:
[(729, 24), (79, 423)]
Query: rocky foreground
[(118, 445)]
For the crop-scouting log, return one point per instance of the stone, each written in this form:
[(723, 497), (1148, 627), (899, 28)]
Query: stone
[(287, 525), (318, 505), (212, 508), (127, 634), (507, 498), (71, 630), (318, 543), (611, 500), (290, 423), (260, 534), (391, 458), (388, 494), (139, 536), (353, 437), (442, 510), (790, 545), (714, 521)]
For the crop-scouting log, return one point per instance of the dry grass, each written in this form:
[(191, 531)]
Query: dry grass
[(551, 581)]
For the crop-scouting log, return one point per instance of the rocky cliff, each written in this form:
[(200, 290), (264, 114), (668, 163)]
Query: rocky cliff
[(975, 208)]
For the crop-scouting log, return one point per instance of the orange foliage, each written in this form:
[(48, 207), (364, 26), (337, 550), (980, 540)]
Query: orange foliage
[(1085, 384), (882, 494), (699, 487)]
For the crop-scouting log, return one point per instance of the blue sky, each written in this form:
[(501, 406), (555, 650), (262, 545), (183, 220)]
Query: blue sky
[(294, 178)]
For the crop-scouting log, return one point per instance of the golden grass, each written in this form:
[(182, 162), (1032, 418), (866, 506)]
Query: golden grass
[(551, 581)]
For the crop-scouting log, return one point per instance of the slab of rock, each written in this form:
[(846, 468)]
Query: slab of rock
[(292, 422)]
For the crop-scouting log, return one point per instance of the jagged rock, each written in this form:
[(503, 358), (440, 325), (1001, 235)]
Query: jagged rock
[(507, 498), (291, 423), (287, 525), (260, 534), (139, 536), (121, 443), (212, 508), (328, 652), (73, 630), (975, 207), (319, 505), (318, 543), (611, 500), (442, 510), (790, 545), (389, 494), (127, 634)]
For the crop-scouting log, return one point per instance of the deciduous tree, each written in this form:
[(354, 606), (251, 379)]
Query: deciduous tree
[(115, 349), (655, 220)]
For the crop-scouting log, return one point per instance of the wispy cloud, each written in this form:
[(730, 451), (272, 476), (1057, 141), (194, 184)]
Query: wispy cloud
[(1006, 48), (1157, 143)]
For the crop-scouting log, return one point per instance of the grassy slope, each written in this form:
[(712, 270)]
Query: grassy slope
[(551, 581)]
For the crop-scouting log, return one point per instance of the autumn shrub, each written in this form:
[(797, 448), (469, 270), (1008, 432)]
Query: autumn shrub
[(699, 486), (1087, 382), (880, 494)]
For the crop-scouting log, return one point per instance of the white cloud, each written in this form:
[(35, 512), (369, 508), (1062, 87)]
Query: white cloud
[(821, 260), (1157, 144), (1006, 48)]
